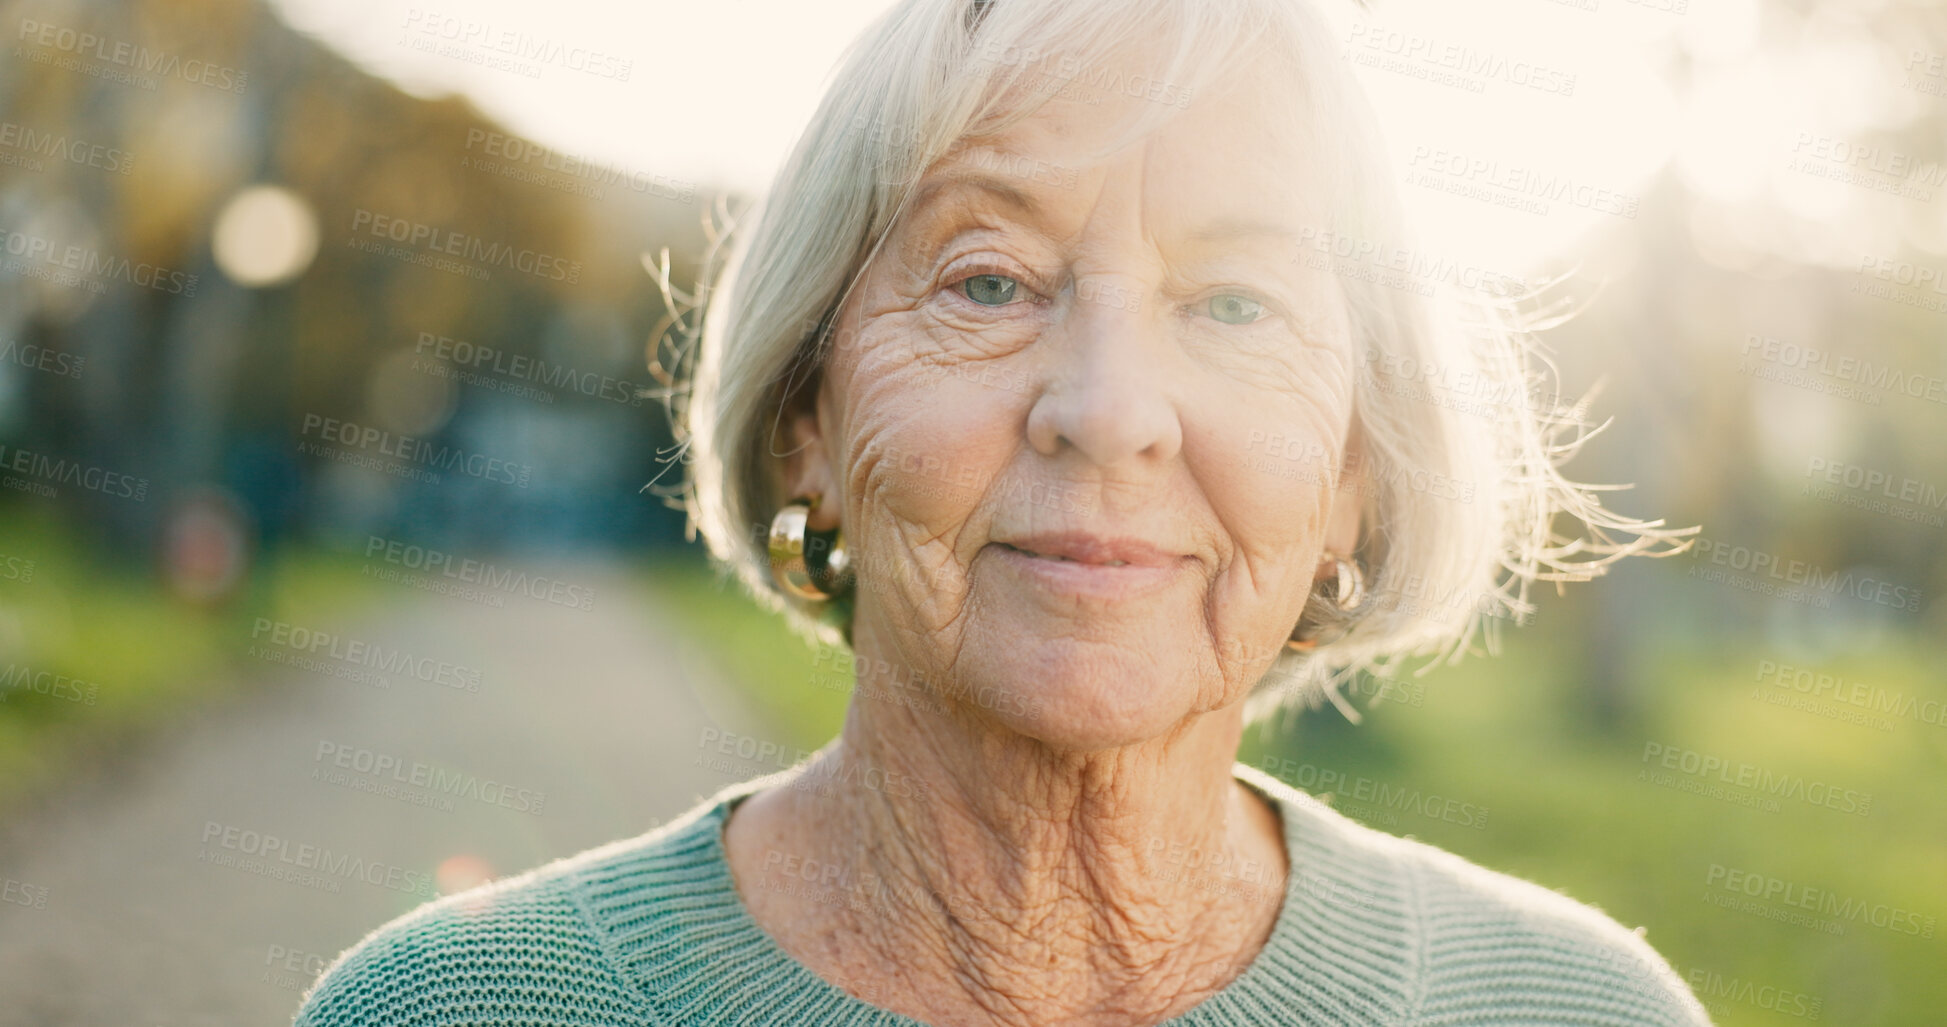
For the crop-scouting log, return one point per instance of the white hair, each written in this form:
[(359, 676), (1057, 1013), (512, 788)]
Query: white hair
[(1454, 411)]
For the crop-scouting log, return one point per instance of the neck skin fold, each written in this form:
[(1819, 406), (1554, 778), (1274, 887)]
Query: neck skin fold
[(962, 873)]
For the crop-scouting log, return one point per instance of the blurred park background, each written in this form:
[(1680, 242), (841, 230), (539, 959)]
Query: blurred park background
[(327, 416)]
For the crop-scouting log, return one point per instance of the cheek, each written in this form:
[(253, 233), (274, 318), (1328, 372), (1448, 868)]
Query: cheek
[(1270, 465), (1266, 465), (1273, 512), (924, 440)]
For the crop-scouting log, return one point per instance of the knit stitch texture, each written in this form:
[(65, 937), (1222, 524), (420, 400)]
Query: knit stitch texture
[(650, 932)]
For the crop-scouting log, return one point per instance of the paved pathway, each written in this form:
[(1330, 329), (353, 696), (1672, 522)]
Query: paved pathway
[(596, 714)]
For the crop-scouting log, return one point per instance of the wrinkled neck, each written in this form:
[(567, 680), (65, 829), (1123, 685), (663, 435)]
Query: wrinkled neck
[(1019, 884)]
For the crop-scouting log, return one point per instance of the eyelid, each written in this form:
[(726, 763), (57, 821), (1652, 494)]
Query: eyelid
[(1270, 307), (973, 266)]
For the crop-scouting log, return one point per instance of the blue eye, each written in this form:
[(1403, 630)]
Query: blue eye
[(989, 290), (1235, 310)]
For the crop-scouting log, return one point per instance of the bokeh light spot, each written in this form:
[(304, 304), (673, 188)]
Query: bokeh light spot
[(266, 235)]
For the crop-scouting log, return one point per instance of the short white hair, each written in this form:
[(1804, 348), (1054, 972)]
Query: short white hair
[(1454, 411)]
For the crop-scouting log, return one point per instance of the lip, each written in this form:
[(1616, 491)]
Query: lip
[(1093, 550), (1090, 566)]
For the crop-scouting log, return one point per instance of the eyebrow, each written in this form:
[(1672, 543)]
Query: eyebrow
[(1221, 230), (1227, 229), (1000, 188)]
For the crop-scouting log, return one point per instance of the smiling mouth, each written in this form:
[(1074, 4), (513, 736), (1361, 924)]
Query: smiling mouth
[(1062, 559)]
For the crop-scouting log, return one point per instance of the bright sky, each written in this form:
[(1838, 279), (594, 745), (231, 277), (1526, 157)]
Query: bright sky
[(716, 91)]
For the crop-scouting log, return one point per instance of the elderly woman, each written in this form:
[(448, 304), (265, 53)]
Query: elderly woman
[(1067, 375)]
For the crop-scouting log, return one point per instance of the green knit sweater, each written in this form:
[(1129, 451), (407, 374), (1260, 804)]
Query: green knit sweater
[(1373, 929)]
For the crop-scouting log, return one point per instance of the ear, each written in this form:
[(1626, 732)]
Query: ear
[(807, 464), (1349, 500)]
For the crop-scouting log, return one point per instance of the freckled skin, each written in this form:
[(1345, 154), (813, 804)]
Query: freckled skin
[(1112, 389)]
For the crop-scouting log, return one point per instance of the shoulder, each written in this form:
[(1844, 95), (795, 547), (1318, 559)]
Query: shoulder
[(1537, 945), (1492, 947), (522, 949)]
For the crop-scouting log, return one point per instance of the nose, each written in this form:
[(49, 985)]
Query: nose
[(1106, 393)]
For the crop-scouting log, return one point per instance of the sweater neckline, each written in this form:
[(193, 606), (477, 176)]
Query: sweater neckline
[(1343, 946)]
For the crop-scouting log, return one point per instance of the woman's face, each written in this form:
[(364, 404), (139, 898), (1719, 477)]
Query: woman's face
[(1115, 359)]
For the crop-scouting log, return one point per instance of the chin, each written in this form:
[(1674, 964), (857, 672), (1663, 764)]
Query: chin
[(1078, 695)]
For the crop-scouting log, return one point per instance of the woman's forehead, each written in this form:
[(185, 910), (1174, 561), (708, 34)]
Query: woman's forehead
[(1234, 163)]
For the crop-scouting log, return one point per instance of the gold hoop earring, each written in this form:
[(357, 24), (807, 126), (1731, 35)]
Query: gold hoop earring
[(810, 565), (1348, 594)]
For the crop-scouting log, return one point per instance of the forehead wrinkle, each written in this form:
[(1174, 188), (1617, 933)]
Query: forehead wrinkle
[(1229, 229), (1113, 232), (977, 182), (1142, 193), (1222, 227)]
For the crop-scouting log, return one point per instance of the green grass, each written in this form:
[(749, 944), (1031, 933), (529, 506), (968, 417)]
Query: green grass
[(1569, 808), (1567, 805), (132, 655), (779, 672), (116, 654)]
